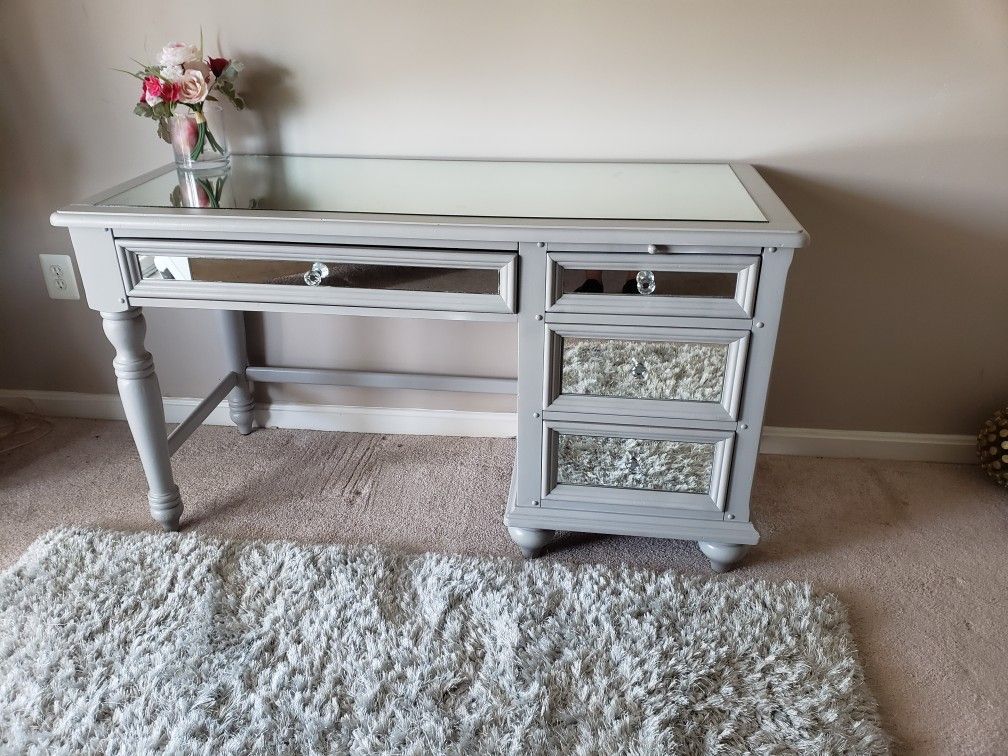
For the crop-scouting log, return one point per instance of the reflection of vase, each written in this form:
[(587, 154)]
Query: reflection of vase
[(198, 137), (203, 188)]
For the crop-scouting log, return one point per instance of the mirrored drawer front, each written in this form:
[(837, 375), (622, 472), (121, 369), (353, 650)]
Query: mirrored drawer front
[(613, 464), (463, 280), (687, 373), (688, 285)]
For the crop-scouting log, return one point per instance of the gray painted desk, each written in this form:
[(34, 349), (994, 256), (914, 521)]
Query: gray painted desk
[(647, 297)]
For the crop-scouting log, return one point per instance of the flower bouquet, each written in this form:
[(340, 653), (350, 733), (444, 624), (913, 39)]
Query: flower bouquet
[(184, 77)]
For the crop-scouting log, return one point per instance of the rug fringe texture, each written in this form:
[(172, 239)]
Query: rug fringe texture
[(140, 643)]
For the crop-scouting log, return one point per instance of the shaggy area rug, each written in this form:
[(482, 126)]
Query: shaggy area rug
[(135, 643)]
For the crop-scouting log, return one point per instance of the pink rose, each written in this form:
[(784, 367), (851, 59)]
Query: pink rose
[(155, 91), (170, 91), (193, 87), (202, 67), (151, 93)]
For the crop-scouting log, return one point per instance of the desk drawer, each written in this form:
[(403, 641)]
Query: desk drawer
[(627, 466), (694, 285), (687, 373), (387, 277)]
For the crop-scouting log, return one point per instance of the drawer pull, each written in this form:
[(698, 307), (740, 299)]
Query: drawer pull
[(640, 371), (317, 273), (645, 282)]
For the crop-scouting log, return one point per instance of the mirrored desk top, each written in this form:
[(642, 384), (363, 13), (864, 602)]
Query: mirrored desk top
[(470, 188), (653, 202)]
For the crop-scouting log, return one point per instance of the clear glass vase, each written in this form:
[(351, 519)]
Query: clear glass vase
[(198, 138), (205, 187)]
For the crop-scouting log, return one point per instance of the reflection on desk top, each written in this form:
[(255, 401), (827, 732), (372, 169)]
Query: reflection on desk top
[(460, 188)]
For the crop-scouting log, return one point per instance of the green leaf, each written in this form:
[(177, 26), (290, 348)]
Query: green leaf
[(162, 110), (162, 130), (197, 149), (143, 109), (227, 89)]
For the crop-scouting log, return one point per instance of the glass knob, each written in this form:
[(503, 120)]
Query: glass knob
[(645, 282), (318, 272), (640, 371), (633, 464)]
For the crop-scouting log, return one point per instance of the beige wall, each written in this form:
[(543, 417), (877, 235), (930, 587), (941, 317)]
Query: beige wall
[(884, 125)]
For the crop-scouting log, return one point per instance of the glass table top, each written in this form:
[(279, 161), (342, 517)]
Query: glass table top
[(467, 188)]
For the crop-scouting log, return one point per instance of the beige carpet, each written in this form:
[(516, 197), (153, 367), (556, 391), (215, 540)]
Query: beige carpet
[(916, 551)]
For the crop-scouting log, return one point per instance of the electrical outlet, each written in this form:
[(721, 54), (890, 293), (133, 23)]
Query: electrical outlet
[(59, 276)]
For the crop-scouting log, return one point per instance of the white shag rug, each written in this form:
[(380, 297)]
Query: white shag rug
[(117, 643)]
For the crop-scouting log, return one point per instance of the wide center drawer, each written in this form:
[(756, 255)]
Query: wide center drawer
[(626, 466), (693, 285), (688, 373), (461, 280)]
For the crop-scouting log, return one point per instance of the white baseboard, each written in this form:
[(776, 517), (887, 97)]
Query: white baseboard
[(814, 442), (422, 422), (822, 442)]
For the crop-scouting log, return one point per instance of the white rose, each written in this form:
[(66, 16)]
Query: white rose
[(178, 53), (193, 87), (171, 73)]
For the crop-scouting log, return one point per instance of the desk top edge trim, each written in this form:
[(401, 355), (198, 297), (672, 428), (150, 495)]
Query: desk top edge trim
[(779, 229)]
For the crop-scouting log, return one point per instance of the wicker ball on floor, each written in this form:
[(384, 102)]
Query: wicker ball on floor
[(992, 447)]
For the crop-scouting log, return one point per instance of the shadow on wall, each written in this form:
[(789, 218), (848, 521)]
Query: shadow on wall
[(868, 304), (269, 97)]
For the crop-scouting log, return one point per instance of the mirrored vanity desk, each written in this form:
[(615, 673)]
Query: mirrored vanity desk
[(647, 297)]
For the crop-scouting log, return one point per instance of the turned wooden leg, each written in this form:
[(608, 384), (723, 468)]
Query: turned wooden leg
[(531, 540), (722, 555), (232, 326), (141, 399)]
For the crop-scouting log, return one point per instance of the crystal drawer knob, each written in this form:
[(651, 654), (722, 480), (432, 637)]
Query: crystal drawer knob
[(633, 464), (640, 371), (318, 272), (645, 282)]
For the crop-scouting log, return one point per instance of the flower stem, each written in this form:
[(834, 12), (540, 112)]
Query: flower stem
[(201, 131), (213, 191), (214, 144)]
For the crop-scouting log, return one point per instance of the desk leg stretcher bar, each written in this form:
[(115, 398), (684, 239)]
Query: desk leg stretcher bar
[(195, 419), (418, 381)]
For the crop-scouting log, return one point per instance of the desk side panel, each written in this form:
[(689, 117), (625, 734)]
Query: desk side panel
[(98, 263), (762, 343), (531, 340)]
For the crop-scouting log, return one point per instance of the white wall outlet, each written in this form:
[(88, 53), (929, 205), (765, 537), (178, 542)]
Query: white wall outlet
[(59, 276)]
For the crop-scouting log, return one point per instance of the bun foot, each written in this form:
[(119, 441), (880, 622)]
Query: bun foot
[(531, 540), (722, 556)]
